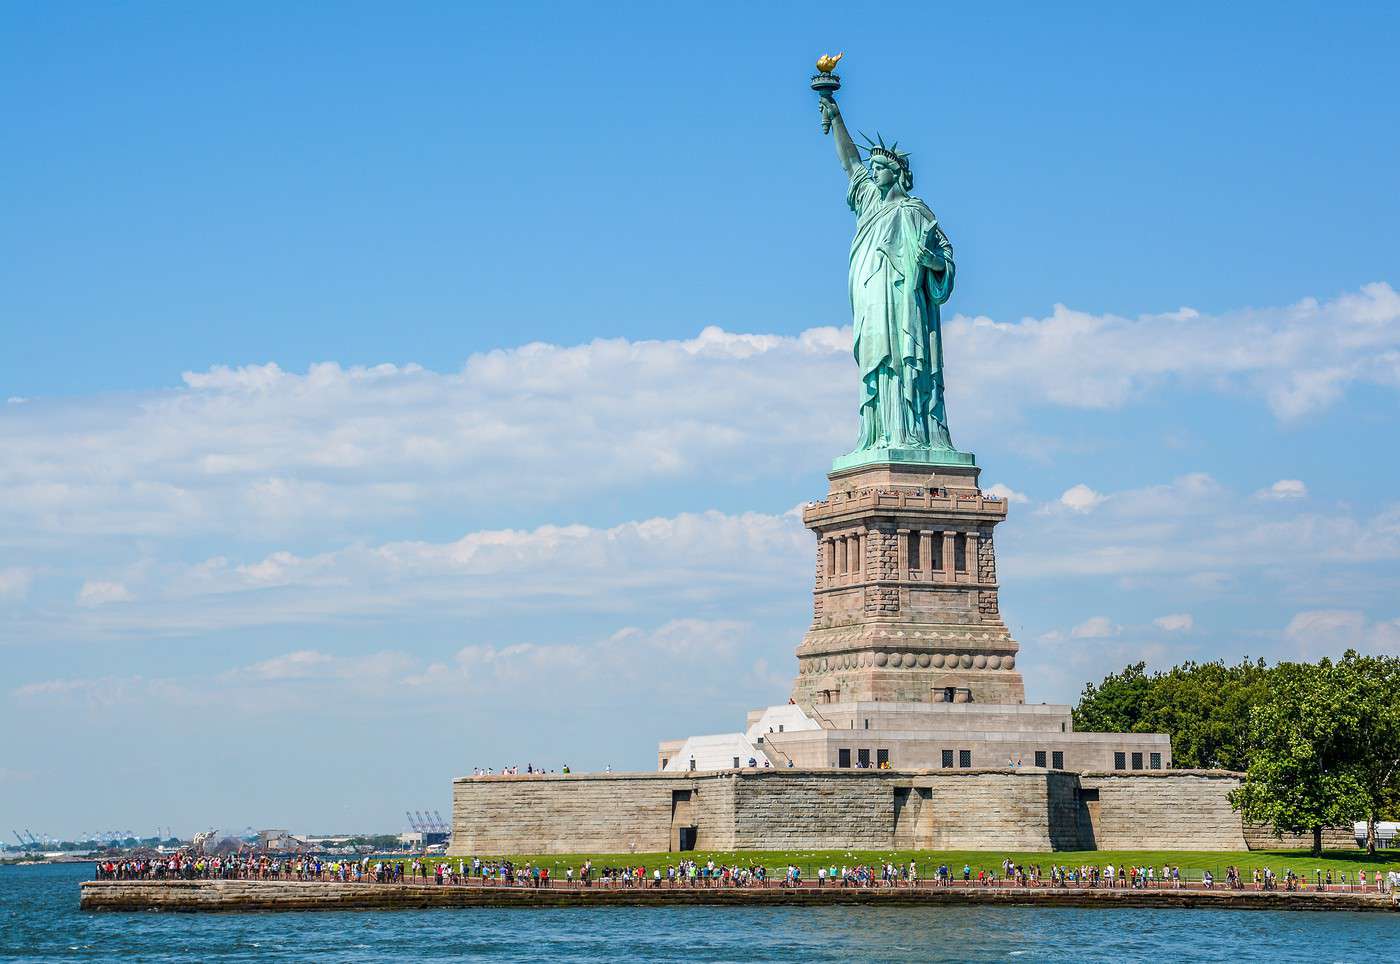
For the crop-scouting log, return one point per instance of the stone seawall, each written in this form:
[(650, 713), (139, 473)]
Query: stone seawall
[(795, 809), (990, 810), (812, 811), (215, 896), (1163, 810), (590, 812)]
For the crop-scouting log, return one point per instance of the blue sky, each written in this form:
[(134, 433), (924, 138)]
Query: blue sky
[(430, 385)]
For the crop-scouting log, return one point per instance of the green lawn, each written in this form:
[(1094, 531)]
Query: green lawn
[(1191, 862)]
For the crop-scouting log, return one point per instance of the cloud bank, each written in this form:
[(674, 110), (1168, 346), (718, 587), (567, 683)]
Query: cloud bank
[(255, 451)]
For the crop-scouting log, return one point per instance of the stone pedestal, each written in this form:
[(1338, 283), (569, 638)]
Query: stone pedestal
[(905, 606)]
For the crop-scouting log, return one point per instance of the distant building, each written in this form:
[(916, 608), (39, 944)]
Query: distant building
[(418, 839), (279, 840), (1385, 833)]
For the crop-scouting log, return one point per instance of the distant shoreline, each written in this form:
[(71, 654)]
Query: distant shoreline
[(225, 896)]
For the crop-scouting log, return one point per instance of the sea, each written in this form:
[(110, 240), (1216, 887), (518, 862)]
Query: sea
[(40, 921)]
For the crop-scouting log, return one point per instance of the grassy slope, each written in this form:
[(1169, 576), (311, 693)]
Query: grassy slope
[(1191, 862)]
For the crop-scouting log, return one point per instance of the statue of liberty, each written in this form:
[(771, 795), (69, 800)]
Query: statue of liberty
[(901, 271)]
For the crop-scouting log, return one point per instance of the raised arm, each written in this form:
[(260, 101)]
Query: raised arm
[(846, 151)]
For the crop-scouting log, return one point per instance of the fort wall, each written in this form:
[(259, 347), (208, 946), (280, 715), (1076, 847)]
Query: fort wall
[(1162, 810), (795, 809)]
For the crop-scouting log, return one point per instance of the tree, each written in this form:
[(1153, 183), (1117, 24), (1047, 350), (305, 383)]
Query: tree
[(1116, 705), (1203, 707), (1368, 707), (1298, 779)]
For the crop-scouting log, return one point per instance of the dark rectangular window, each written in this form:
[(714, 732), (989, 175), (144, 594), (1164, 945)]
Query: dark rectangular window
[(843, 758), (664, 761), (935, 545), (914, 540), (964, 758), (882, 757), (736, 763), (960, 552), (867, 724), (1155, 761), (1137, 761), (947, 759), (1120, 761), (1040, 758), (1057, 759), (862, 758)]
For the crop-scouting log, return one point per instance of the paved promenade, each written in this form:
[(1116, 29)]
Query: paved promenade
[(293, 895)]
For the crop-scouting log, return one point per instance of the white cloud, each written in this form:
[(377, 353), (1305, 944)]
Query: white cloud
[(612, 666), (1080, 498), (307, 666), (1330, 632), (1006, 492), (1283, 489), (1096, 627), (1194, 531), (1175, 623), (630, 652), (680, 561), (14, 582), (98, 592), (261, 450)]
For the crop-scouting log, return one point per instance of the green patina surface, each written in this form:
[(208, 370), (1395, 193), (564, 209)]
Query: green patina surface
[(900, 274), (877, 456)]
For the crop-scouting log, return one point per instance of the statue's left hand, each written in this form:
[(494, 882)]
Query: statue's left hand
[(932, 247)]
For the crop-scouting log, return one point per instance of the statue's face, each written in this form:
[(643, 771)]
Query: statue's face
[(885, 173)]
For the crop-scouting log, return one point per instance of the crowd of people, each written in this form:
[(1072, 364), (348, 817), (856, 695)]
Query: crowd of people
[(514, 770), (691, 873)]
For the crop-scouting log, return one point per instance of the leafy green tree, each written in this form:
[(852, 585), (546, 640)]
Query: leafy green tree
[(1298, 779), (1203, 707), (1116, 705), (1367, 704)]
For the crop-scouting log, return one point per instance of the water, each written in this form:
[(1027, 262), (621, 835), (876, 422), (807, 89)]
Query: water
[(40, 921)]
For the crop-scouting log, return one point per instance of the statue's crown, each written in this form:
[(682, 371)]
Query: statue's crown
[(877, 148)]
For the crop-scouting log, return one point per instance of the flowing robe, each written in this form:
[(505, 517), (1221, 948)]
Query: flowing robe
[(897, 283)]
